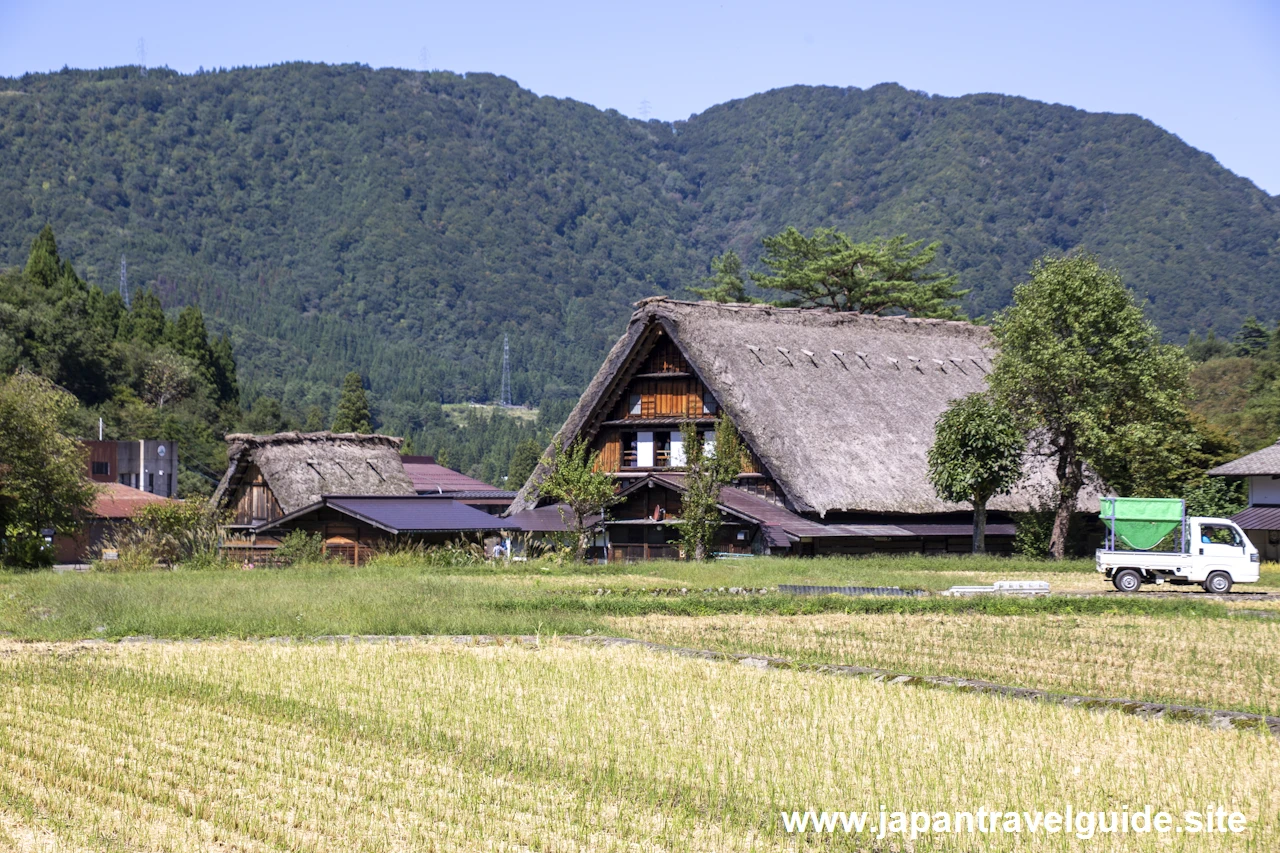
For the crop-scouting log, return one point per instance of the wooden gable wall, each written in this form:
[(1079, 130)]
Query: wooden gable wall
[(661, 393), (254, 501)]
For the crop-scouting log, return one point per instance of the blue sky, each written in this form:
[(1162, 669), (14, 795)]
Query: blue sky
[(1209, 72)]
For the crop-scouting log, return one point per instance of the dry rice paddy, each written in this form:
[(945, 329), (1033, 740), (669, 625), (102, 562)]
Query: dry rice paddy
[(1219, 663), (420, 746)]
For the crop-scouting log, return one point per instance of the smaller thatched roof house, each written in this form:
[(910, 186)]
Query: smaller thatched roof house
[(271, 476)]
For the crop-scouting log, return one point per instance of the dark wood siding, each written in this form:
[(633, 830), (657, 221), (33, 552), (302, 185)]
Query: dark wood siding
[(255, 503)]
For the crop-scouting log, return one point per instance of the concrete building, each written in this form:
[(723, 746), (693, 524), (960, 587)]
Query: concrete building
[(147, 465)]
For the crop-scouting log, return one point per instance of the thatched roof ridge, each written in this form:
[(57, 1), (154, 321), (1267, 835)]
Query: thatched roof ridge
[(840, 407), (300, 467)]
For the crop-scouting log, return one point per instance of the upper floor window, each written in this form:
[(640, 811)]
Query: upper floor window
[(102, 469)]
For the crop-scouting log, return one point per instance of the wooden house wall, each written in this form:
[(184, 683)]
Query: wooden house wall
[(642, 503), (664, 398), (254, 502), (665, 357), (609, 443)]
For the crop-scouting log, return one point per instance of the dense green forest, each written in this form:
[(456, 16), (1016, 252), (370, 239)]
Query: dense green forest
[(1235, 383), (398, 223), (137, 373)]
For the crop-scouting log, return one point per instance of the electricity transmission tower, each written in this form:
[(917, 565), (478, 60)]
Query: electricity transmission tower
[(504, 397), (124, 283)]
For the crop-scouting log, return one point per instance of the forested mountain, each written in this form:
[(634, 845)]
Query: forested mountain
[(398, 223)]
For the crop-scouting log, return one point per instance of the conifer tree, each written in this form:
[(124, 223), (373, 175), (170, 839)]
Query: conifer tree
[(44, 267), (191, 339), (224, 371), (727, 282), (353, 406), (145, 321), (523, 460), (830, 270)]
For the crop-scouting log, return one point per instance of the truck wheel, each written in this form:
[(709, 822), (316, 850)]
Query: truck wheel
[(1219, 583), (1127, 580)]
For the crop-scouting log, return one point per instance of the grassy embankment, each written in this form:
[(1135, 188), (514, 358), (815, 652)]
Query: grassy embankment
[(403, 597), (252, 747)]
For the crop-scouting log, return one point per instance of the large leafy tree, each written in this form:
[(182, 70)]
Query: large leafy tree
[(574, 479), (707, 471), (829, 269), (1081, 364), (976, 455), (42, 469), (353, 406)]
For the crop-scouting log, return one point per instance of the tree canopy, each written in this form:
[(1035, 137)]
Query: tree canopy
[(829, 269), (1080, 364), (144, 375), (43, 482), (976, 455), (331, 218)]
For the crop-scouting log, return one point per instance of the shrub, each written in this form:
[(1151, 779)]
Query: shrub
[(299, 547), (133, 554), (27, 552), (177, 531)]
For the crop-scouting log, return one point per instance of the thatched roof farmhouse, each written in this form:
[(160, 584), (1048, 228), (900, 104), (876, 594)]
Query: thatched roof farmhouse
[(837, 409), (350, 489), (269, 476)]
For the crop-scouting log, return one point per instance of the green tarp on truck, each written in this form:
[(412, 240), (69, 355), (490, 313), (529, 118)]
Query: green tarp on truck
[(1141, 523)]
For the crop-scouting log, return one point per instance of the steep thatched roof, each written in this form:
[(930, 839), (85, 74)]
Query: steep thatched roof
[(300, 467), (839, 407), (1264, 462)]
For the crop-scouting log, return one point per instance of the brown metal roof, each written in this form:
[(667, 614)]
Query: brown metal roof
[(429, 476), (1258, 518), (118, 501)]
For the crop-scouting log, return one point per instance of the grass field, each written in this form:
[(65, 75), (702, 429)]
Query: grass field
[(405, 598), (1230, 663), (415, 746)]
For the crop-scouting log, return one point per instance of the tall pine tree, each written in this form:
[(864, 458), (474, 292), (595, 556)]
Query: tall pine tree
[(224, 371), (44, 267), (353, 406), (191, 339)]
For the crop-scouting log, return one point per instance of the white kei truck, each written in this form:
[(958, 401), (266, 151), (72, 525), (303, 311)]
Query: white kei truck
[(1211, 552)]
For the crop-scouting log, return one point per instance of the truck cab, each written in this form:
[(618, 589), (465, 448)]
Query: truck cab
[(1212, 552), (1219, 545)]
